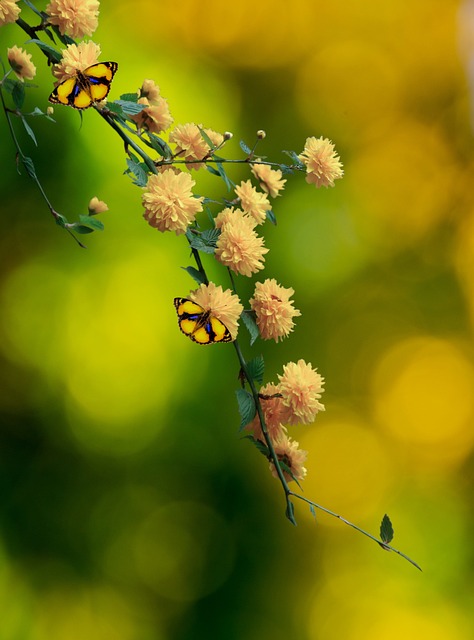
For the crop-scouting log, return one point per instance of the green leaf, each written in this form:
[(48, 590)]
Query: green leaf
[(29, 130), (213, 171), (312, 510), (244, 148), (261, 446), (196, 275), (224, 176), (92, 223), (137, 170), (256, 369), (115, 108), (29, 166), (159, 145), (210, 236), (80, 228), (271, 216), (246, 407), (207, 139), (286, 170), (129, 97), (130, 108), (290, 512), (53, 53), (18, 95), (386, 530), (295, 158), (248, 318), (206, 242)]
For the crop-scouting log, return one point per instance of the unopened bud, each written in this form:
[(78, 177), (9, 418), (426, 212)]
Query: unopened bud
[(97, 206), (49, 111), (228, 135), (261, 134)]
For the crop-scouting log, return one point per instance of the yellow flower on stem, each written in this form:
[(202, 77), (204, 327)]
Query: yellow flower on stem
[(150, 90), (20, 62), (191, 145), (169, 202), (76, 18), (273, 412), (156, 117), (288, 452), (97, 206), (270, 179), (224, 305), (9, 11), (239, 247), (323, 165), (301, 387), (253, 202), (229, 215), (274, 310), (76, 57)]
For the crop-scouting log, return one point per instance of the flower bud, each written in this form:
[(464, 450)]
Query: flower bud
[(261, 134)]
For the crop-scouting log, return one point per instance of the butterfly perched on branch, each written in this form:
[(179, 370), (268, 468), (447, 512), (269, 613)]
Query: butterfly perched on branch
[(86, 87), (200, 325)]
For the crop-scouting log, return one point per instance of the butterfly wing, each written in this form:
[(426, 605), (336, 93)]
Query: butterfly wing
[(198, 324), (86, 87), (99, 78)]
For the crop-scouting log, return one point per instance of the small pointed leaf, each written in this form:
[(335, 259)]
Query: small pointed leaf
[(195, 274), (29, 130), (246, 407), (386, 530), (256, 368), (248, 318)]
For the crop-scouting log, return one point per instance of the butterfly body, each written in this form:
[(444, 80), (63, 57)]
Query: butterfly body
[(200, 325), (86, 87)]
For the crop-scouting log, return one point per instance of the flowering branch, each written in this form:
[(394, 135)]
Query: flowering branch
[(209, 315)]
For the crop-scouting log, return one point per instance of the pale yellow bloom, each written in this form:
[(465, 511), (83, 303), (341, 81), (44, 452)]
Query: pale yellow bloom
[(274, 310), (97, 206), (288, 452), (191, 145), (301, 387), (20, 62), (230, 215), (224, 305), (150, 90), (323, 165), (270, 179), (9, 11), (76, 57), (273, 413), (155, 118), (253, 202), (239, 247), (76, 18), (169, 202)]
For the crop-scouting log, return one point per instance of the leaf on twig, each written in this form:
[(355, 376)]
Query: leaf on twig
[(246, 407), (386, 530)]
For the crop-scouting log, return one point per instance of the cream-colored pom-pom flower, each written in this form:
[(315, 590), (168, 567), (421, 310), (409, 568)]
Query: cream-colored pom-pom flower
[(274, 309), (239, 247), (270, 179), (273, 412), (20, 62), (323, 165), (169, 202), (76, 57), (253, 202), (289, 453), (9, 11), (156, 117), (301, 387), (150, 90), (76, 18), (224, 305), (191, 145)]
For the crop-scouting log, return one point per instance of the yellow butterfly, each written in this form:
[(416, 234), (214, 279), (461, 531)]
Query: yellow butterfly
[(200, 325), (86, 87)]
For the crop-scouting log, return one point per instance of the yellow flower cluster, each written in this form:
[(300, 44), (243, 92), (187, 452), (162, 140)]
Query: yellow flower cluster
[(9, 11), (295, 399), (75, 18)]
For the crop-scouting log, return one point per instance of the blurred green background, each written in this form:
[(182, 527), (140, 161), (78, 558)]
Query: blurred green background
[(129, 507)]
